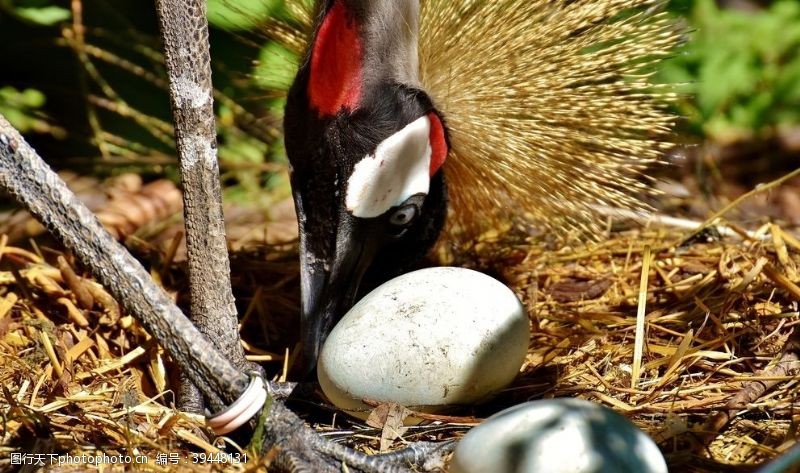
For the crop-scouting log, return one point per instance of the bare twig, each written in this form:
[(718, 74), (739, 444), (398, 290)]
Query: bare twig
[(787, 365), (34, 185), (184, 30), (640, 316), (75, 38), (759, 189)]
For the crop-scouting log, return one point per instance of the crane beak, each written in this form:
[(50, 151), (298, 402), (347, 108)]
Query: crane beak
[(329, 287)]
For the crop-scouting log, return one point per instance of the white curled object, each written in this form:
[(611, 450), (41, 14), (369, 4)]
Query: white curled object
[(242, 410)]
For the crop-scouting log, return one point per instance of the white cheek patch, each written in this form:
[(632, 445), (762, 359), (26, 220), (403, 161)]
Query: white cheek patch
[(399, 169)]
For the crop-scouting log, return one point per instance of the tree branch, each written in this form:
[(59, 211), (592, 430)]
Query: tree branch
[(33, 184), (184, 31)]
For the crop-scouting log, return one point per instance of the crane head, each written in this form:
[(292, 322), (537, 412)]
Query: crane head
[(366, 147)]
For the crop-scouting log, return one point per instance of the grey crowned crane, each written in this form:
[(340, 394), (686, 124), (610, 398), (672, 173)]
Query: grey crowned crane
[(412, 120)]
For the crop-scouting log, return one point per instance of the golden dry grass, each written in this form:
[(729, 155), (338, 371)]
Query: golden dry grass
[(80, 376)]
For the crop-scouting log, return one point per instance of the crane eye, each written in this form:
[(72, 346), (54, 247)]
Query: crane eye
[(403, 216)]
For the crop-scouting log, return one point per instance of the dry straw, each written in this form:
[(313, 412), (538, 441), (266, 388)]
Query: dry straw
[(720, 315)]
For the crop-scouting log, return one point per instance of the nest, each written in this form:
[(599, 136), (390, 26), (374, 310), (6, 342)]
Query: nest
[(688, 335)]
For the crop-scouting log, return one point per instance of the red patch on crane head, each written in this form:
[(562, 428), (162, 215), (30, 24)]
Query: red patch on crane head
[(438, 143), (336, 63)]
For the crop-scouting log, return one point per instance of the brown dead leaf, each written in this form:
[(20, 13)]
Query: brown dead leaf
[(572, 290), (389, 418)]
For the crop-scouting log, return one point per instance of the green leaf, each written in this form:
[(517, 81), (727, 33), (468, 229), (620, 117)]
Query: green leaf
[(241, 15), (45, 15), (19, 107), (32, 98), (276, 67), (743, 68)]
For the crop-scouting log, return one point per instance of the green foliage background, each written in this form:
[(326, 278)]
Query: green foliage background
[(740, 70)]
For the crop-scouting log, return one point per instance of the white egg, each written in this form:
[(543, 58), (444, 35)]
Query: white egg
[(557, 436), (427, 339)]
